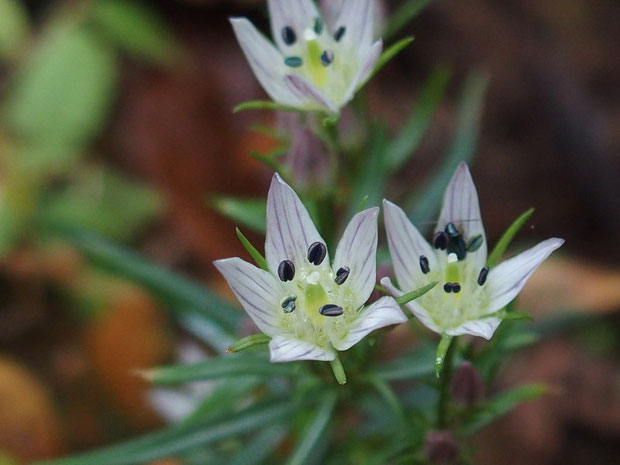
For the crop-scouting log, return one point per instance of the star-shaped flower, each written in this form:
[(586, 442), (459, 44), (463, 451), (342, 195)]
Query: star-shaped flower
[(469, 292), (309, 307), (312, 66)]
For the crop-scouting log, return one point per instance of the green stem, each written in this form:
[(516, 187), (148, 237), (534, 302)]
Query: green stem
[(444, 385), (338, 370)]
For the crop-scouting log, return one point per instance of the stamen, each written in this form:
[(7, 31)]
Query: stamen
[(342, 274), (447, 287), (424, 264), (475, 243), (317, 25), (451, 230), (288, 303), (286, 270), (331, 310), (482, 277), (288, 35), (456, 288), (317, 253), (327, 57), (339, 34), (293, 61), (440, 241)]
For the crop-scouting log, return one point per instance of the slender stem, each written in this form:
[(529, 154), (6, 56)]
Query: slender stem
[(338, 370), (444, 384)]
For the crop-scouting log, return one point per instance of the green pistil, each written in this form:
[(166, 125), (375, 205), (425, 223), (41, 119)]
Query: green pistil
[(453, 274), (315, 297), (317, 69)]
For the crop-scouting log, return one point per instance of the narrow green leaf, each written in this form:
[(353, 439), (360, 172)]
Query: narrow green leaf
[(390, 53), (414, 129), (414, 365), (178, 439), (260, 447), (222, 399), (363, 203), (265, 105), (179, 293), (442, 350), (406, 11), (408, 297), (501, 405), (314, 431), (135, 28), (248, 341), (389, 397), (13, 28), (462, 149), (222, 367), (206, 330), (256, 255), (248, 212), (338, 370), (507, 237), (370, 177)]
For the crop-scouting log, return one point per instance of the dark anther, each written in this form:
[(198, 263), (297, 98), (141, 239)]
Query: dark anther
[(456, 288), (293, 62), (316, 253), (339, 34), (288, 303), (331, 310), (424, 264), (447, 287), (451, 230), (482, 277), (317, 25), (327, 57), (474, 243), (288, 35), (342, 274), (440, 241), (286, 270)]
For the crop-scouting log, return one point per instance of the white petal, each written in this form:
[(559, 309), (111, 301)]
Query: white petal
[(358, 19), (331, 11), (461, 207), (290, 231), (257, 290), (297, 14), (507, 279), (406, 246), (384, 312), (288, 349), (370, 60), (266, 62), (481, 328), (358, 250), (308, 93), (418, 310)]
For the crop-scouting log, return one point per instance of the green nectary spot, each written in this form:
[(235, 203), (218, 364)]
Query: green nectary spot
[(293, 62), (315, 297)]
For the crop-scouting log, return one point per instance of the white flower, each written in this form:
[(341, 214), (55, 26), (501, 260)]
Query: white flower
[(468, 292), (313, 66), (309, 308)]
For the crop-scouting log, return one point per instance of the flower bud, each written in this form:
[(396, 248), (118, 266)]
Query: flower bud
[(467, 386), (441, 448)]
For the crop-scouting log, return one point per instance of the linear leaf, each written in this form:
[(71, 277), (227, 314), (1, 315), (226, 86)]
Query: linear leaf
[(406, 11), (222, 367), (462, 149), (418, 364), (248, 212), (255, 254), (501, 405), (408, 297), (260, 447), (175, 439), (414, 129), (390, 53), (265, 105), (314, 431), (180, 293), (507, 237)]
